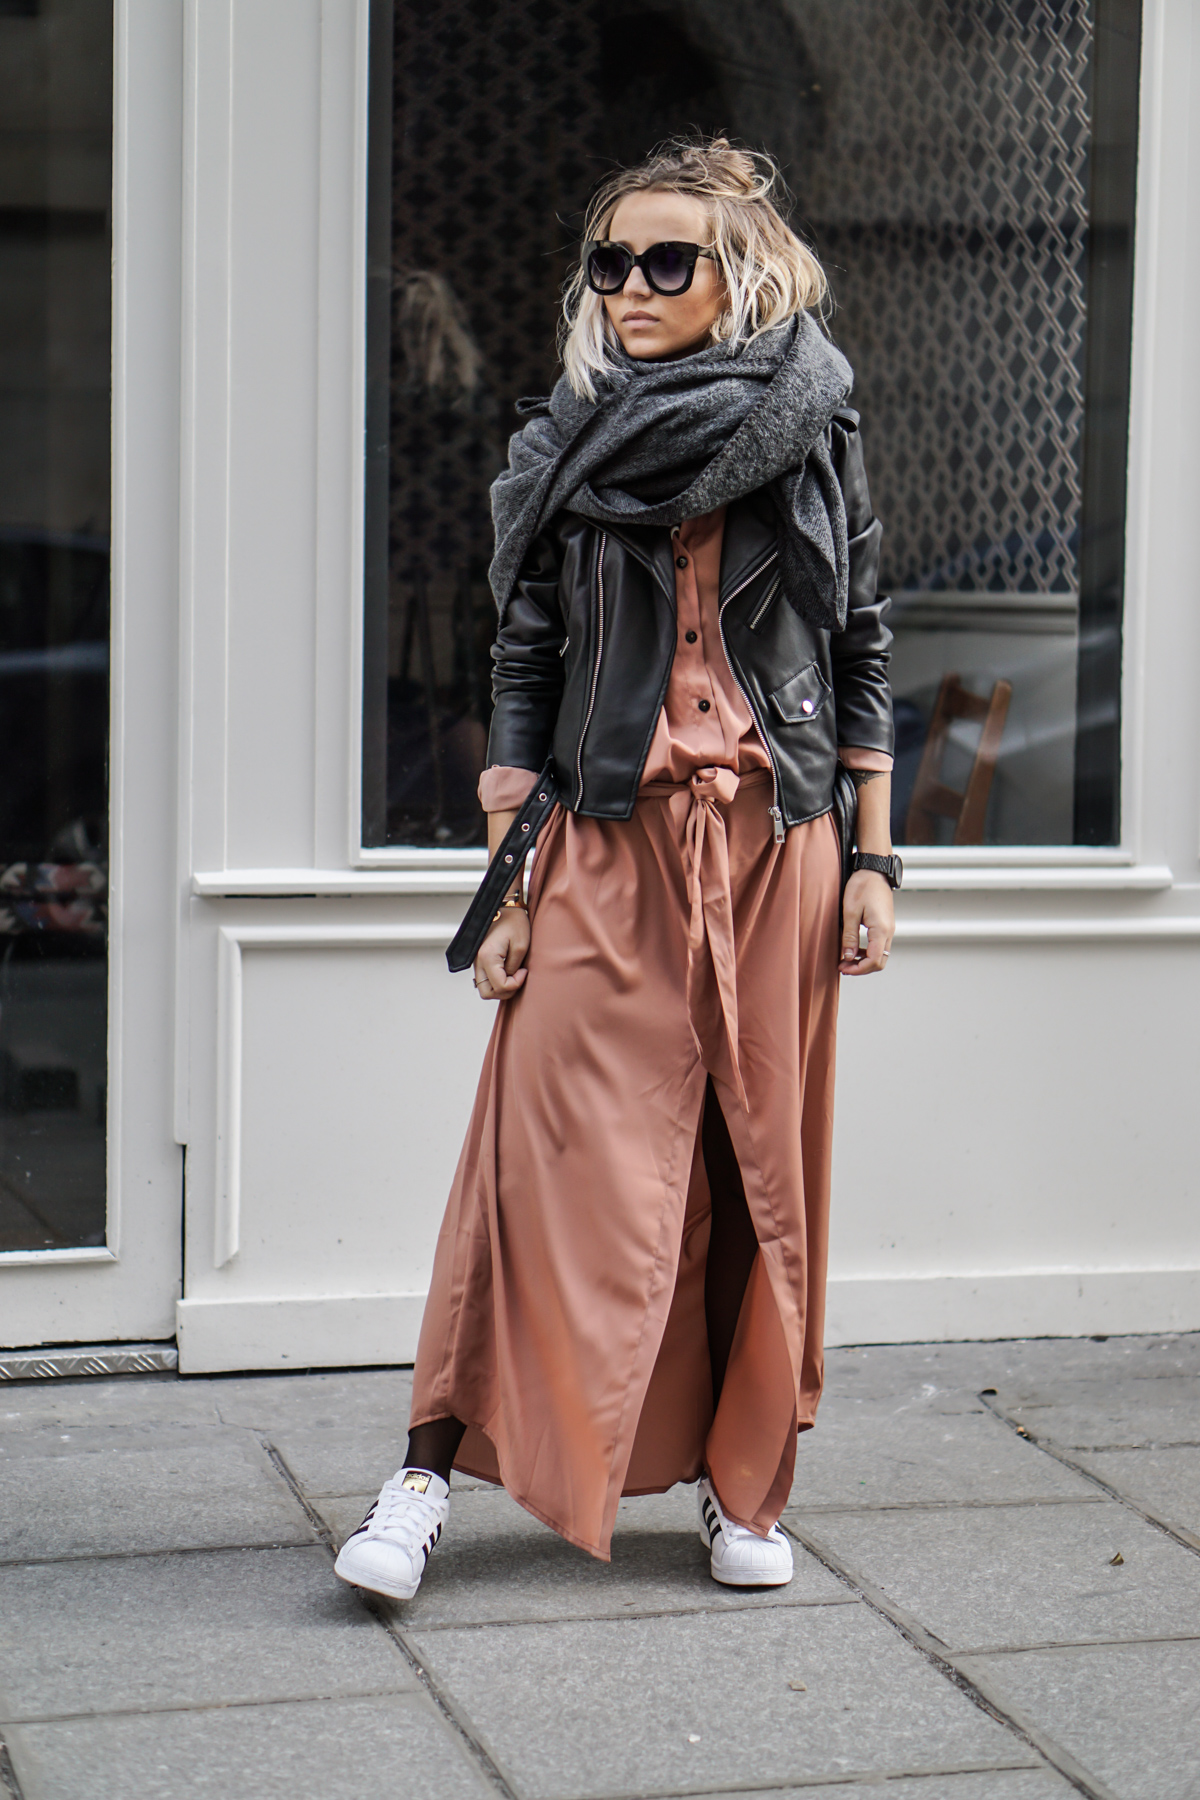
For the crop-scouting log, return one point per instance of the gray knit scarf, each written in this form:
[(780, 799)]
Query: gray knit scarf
[(667, 441)]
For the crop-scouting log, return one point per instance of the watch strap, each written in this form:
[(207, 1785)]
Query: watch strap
[(890, 867)]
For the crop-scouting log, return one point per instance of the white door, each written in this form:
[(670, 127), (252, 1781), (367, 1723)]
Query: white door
[(90, 1175)]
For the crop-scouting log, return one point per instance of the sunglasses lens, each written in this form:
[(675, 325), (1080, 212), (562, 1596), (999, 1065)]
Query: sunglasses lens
[(607, 267), (668, 268)]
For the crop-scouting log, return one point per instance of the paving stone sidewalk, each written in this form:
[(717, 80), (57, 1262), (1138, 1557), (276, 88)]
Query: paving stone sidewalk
[(997, 1597)]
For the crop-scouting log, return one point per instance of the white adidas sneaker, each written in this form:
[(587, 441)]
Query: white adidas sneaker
[(740, 1558), (388, 1552)]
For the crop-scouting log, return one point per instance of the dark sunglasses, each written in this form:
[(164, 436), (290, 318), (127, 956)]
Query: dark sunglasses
[(668, 268)]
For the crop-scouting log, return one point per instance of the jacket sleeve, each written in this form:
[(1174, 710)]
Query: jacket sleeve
[(859, 654), (527, 663)]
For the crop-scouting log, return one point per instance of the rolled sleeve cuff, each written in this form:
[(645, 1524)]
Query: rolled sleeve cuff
[(506, 790), (856, 758)]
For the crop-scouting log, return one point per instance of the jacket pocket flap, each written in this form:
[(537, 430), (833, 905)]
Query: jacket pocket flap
[(801, 698)]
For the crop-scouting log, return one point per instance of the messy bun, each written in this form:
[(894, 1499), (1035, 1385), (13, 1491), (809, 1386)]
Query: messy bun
[(769, 274)]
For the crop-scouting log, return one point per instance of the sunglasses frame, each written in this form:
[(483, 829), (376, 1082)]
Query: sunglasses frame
[(692, 252)]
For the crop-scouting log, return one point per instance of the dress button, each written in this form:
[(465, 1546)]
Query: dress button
[(806, 706), (689, 637), (703, 705), (681, 562)]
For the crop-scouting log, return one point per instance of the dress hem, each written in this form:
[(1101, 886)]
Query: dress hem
[(499, 1482)]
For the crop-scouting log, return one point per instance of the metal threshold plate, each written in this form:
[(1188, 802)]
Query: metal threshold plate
[(74, 1360)]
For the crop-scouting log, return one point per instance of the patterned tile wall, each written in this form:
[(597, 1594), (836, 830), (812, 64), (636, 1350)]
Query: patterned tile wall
[(949, 200)]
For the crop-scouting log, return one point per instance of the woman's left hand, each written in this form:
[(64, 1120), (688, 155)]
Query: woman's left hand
[(867, 901)]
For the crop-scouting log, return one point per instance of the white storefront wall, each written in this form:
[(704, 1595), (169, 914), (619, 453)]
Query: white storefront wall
[(1014, 1141)]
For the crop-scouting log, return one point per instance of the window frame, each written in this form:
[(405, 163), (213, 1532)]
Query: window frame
[(942, 868)]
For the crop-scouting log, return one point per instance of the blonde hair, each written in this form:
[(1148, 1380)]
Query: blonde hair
[(769, 274), (441, 355)]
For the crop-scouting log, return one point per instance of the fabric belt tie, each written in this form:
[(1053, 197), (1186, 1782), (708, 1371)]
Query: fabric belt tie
[(694, 806)]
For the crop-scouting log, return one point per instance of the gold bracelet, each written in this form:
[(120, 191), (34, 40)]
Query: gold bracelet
[(513, 900)]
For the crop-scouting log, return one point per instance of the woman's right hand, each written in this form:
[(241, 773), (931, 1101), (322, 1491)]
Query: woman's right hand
[(499, 966)]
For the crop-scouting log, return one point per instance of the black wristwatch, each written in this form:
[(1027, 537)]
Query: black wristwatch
[(890, 867)]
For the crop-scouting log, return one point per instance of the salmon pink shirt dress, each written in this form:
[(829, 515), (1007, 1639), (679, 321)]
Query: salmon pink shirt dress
[(565, 1323)]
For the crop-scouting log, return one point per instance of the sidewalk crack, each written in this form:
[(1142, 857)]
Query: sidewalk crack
[(1177, 1533), (728, 1610), (378, 1609), (8, 1775), (941, 1657), (873, 1778)]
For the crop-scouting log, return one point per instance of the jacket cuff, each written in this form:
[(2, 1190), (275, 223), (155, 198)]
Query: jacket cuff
[(855, 757), (505, 790)]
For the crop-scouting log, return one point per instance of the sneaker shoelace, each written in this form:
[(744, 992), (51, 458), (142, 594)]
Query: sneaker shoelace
[(736, 1533), (405, 1516)]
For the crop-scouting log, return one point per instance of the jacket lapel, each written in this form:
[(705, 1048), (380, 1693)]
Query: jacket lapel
[(750, 536), (651, 546)]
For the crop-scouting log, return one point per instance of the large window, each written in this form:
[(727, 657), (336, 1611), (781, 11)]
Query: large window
[(966, 174), (55, 254)]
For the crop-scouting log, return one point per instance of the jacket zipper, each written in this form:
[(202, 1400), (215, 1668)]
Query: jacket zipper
[(774, 811), (587, 717), (745, 583), (756, 619)]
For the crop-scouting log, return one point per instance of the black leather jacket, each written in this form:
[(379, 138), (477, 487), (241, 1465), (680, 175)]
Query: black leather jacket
[(583, 657)]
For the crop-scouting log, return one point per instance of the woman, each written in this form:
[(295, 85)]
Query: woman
[(628, 1290)]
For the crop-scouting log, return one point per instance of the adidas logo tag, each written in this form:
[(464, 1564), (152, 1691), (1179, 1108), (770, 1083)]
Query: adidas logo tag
[(416, 1481)]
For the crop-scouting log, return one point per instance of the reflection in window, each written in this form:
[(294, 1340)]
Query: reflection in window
[(966, 175), (55, 248)]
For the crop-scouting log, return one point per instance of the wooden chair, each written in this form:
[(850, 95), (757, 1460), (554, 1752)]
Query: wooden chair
[(931, 799)]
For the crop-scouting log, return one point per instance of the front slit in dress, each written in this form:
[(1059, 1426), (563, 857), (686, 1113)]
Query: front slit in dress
[(565, 1324)]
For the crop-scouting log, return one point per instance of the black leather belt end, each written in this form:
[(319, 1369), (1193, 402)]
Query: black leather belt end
[(502, 870)]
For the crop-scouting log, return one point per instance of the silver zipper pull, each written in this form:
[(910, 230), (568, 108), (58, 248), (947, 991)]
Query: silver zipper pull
[(777, 822)]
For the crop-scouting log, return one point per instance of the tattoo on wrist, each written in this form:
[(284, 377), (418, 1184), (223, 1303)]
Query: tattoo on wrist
[(860, 777)]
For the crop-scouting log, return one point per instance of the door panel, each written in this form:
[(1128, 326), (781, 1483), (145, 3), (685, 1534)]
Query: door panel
[(89, 1176)]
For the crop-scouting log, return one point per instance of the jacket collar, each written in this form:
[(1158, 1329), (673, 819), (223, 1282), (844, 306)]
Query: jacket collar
[(749, 538)]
